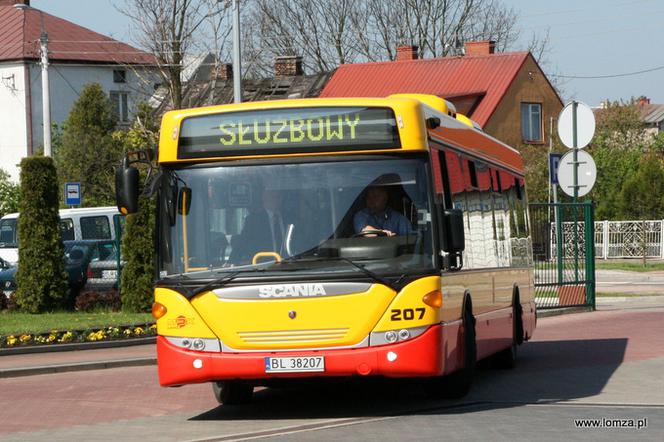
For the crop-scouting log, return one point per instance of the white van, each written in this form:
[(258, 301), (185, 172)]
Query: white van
[(75, 224)]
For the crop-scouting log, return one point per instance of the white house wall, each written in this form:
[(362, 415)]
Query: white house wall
[(66, 83), (13, 122)]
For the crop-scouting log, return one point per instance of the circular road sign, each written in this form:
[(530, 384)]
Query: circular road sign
[(585, 125), (587, 172)]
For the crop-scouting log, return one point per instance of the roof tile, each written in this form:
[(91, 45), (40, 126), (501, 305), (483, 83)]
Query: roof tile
[(490, 75), (20, 29)]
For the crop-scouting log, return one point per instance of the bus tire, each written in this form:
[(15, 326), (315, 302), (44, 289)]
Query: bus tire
[(506, 359), (457, 384), (232, 392)]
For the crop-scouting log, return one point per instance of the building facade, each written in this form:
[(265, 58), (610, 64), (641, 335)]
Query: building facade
[(77, 57), (508, 94)]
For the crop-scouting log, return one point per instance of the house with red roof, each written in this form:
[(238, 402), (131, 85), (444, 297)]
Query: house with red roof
[(507, 93), (77, 56)]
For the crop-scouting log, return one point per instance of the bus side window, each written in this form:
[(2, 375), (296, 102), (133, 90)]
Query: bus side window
[(67, 229), (441, 178)]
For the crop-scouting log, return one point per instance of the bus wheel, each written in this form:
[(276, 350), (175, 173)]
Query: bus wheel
[(506, 359), (232, 392), (457, 384)]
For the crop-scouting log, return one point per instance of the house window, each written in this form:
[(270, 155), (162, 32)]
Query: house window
[(531, 122), (120, 102), (119, 76)]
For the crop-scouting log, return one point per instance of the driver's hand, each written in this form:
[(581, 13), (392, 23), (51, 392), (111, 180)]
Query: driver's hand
[(389, 232)]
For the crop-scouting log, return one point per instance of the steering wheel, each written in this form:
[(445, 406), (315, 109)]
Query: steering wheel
[(365, 233)]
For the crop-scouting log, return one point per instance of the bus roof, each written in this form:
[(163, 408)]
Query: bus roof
[(410, 115)]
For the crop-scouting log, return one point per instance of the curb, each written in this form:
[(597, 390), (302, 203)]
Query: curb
[(81, 366), (77, 346), (543, 313)]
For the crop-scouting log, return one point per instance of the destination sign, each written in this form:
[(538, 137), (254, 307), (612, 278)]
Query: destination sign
[(297, 130)]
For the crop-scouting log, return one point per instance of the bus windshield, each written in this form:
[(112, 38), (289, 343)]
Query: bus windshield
[(297, 217)]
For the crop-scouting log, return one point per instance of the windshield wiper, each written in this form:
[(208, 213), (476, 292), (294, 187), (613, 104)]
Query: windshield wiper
[(358, 266), (217, 283)]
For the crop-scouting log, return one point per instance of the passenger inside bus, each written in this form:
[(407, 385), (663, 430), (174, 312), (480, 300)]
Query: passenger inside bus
[(263, 230)]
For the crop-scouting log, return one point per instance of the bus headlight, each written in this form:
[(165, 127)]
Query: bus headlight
[(198, 344), (391, 336)]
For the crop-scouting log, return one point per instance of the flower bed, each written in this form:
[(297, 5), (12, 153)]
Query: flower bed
[(55, 337)]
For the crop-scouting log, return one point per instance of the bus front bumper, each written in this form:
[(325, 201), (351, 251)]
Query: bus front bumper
[(417, 357)]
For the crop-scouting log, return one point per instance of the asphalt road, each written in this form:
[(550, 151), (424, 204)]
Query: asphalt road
[(631, 283), (607, 364)]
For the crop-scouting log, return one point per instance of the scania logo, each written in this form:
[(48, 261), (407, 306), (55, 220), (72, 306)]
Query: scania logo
[(291, 290)]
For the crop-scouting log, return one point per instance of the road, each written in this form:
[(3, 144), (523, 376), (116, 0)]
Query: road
[(604, 364), (631, 283)]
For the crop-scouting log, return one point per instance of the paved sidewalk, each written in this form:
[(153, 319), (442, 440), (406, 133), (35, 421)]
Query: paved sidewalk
[(53, 362)]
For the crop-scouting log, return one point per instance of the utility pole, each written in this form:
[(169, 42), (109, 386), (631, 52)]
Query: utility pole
[(46, 94), (237, 68)]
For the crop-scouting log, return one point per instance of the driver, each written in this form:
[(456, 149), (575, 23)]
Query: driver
[(377, 216)]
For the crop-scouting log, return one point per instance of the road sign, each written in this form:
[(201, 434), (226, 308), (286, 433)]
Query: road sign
[(584, 127), (554, 161), (73, 194), (587, 171)]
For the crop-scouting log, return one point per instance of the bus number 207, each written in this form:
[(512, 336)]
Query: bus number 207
[(406, 314)]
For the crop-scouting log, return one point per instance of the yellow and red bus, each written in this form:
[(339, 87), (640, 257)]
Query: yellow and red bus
[(346, 237)]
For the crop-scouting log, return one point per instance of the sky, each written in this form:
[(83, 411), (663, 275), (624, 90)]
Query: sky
[(614, 39)]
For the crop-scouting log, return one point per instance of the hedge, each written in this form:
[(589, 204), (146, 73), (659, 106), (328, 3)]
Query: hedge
[(41, 278)]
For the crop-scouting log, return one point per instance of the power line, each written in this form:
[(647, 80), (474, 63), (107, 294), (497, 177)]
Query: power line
[(626, 74)]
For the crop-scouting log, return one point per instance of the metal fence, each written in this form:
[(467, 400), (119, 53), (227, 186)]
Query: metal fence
[(629, 239), (564, 265)]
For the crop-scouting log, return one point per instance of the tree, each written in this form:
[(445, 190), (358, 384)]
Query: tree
[(9, 195), (169, 29), (41, 278), (334, 32), (88, 153), (138, 236), (617, 148), (640, 195), (637, 199)]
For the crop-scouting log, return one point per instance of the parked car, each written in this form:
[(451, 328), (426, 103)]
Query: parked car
[(102, 273), (78, 255), (7, 272)]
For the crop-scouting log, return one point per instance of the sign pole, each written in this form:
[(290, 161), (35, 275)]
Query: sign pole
[(575, 160)]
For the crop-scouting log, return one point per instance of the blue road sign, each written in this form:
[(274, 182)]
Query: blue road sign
[(554, 161), (73, 194)]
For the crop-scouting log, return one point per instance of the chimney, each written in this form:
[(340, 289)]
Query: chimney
[(224, 72), (407, 53), (15, 2), (288, 66), (642, 100), (486, 47)]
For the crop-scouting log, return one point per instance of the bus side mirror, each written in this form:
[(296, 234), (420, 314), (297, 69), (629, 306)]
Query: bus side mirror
[(453, 239), (126, 188)]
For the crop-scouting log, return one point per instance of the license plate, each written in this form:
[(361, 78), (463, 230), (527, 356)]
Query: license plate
[(108, 274), (296, 364)]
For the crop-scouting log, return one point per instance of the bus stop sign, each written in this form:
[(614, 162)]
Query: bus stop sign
[(73, 194)]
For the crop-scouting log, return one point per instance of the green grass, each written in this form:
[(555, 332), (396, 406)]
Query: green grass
[(630, 266), (19, 323)]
